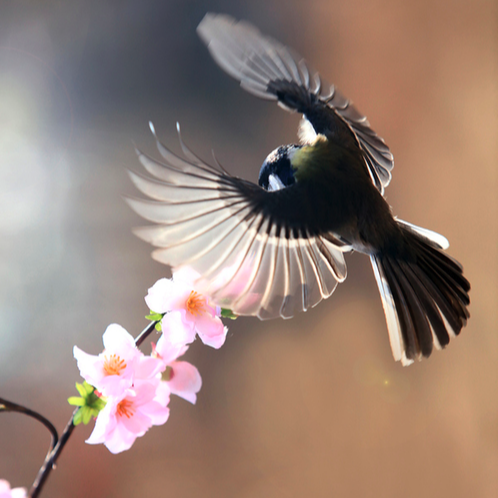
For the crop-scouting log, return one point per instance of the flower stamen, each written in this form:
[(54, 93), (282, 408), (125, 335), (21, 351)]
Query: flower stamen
[(195, 304), (125, 409), (114, 364)]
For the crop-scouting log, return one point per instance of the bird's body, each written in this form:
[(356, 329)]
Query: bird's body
[(277, 248), (338, 195)]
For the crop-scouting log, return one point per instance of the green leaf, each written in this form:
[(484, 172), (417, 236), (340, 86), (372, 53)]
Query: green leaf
[(99, 405), (77, 417), (81, 389), (74, 400), (155, 317), (86, 415), (158, 327), (226, 313), (90, 403)]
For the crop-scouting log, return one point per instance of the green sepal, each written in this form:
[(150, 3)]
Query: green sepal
[(155, 317), (84, 389), (77, 417), (76, 401), (90, 404), (158, 327), (86, 416), (226, 313)]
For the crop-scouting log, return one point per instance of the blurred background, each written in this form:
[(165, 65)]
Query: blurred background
[(314, 406)]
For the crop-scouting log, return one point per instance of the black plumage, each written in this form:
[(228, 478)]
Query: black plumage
[(278, 248)]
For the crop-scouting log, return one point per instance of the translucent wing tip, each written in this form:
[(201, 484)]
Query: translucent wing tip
[(152, 129), (208, 28)]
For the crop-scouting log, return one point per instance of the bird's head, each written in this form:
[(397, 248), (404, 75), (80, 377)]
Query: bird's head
[(277, 171)]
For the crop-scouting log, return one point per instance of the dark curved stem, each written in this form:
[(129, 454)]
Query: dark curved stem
[(145, 333), (58, 444), (51, 459), (8, 406)]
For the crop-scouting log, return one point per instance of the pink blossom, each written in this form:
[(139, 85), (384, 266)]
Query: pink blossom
[(130, 415), (118, 366), (173, 325), (181, 377), (188, 312), (6, 492)]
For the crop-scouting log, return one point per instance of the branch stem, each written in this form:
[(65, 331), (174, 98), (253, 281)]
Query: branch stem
[(51, 459), (145, 333)]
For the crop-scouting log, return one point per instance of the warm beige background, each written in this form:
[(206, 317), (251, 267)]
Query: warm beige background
[(309, 407)]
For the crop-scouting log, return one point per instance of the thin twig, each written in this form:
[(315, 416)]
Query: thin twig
[(8, 406), (51, 459), (145, 333)]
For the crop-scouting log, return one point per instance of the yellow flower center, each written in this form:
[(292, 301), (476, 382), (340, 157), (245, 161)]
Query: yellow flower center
[(114, 364), (195, 304), (125, 409)]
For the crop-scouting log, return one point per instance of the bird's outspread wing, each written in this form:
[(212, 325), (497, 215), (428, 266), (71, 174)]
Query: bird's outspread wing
[(252, 256), (272, 71)]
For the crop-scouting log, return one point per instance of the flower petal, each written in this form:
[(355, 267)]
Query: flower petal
[(6, 492), (159, 295), (185, 381), (105, 424), (90, 366), (215, 341), (147, 368), (169, 351), (167, 295), (211, 330), (176, 330), (162, 394), (113, 385), (137, 423), (18, 493), (157, 414), (120, 440), (117, 339)]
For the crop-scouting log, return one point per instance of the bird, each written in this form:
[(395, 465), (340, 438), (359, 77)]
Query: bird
[(277, 248)]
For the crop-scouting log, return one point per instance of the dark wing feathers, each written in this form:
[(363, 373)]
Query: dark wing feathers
[(272, 71), (250, 253)]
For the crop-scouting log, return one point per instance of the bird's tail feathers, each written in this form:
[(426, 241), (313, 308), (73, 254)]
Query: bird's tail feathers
[(424, 296)]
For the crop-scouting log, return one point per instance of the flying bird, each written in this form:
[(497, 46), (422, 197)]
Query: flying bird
[(277, 248)]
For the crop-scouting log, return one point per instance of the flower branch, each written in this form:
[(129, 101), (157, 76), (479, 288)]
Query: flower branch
[(126, 391), (82, 414)]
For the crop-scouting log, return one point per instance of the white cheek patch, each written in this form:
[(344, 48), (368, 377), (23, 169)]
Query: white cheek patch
[(306, 132), (274, 183)]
